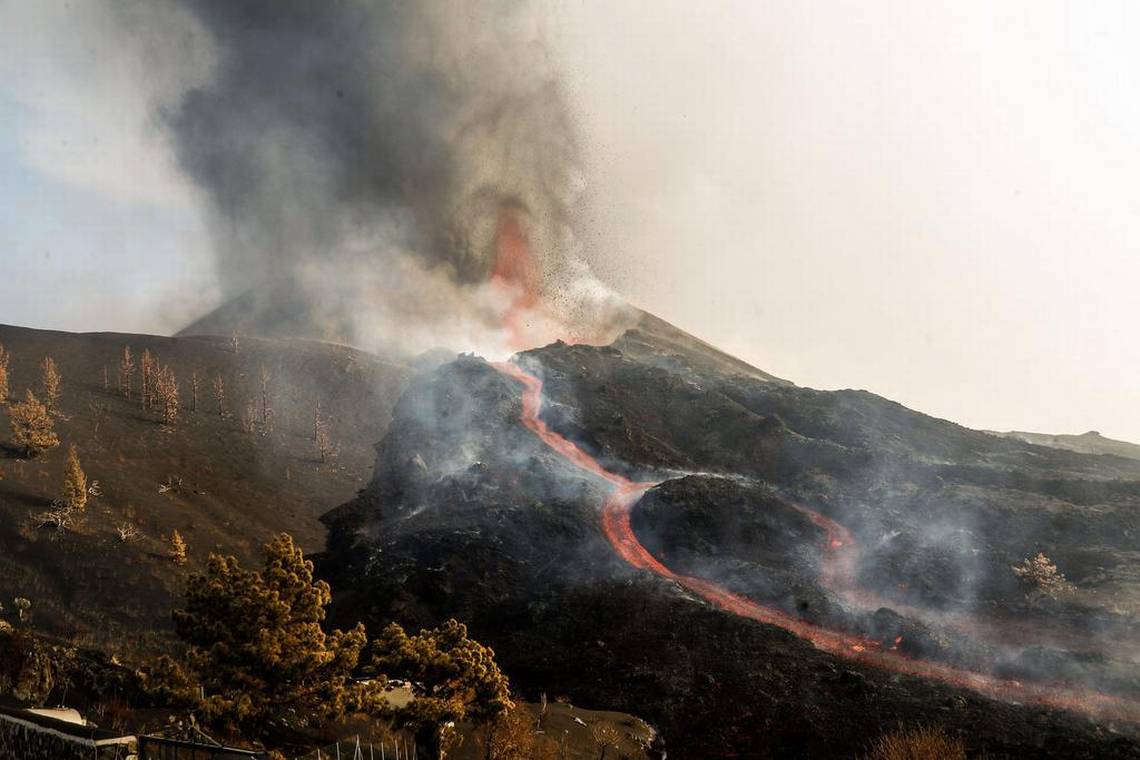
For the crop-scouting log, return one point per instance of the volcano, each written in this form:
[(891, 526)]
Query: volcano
[(761, 569), (654, 526), (758, 567)]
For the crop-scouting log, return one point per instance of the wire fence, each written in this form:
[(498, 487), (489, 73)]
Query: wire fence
[(358, 749)]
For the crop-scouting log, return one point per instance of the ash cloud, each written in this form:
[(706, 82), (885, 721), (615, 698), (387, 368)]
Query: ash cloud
[(341, 138)]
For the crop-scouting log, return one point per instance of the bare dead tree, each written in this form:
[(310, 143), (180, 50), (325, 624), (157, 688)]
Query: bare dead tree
[(173, 484), (607, 736), (60, 517), (220, 394), (265, 377), (128, 532), (147, 372), (126, 372), (249, 416), (326, 449), (195, 382), (99, 411)]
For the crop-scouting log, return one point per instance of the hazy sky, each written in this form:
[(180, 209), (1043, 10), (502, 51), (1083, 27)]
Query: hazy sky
[(935, 201)]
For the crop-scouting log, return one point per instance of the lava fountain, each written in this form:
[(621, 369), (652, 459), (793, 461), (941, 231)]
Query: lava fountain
[(513, 272), (840, 555)]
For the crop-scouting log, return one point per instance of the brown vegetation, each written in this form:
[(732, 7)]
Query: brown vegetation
[(3, 374), (166, 394), (177, 548), (32, 426), (146, 378), (73, 495), (1043, 577), (921, 743), (49, 384), (257, 647), (257, 650), (103, 589), (514, 736), (455, 677)]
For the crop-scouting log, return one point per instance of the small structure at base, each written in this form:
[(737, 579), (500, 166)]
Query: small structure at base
[(33, 735)]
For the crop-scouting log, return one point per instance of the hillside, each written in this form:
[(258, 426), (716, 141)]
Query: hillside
[(1091, 442), (231, 488), (744, 631)]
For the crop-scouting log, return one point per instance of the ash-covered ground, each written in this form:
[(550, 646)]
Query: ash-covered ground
[(470, 514)]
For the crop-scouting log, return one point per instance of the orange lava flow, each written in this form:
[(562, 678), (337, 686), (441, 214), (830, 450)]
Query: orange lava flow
[(840, 560), (513, 271)]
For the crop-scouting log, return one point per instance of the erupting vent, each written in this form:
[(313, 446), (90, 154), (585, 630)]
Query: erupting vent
[(513, 271)]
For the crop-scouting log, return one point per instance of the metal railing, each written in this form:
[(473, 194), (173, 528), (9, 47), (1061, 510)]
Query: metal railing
[(359, 749)]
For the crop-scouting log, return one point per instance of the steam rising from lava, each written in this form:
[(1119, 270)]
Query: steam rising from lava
[(340, 142)]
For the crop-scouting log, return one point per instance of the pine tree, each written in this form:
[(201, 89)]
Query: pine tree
[(126, 372), (32, 427), (3, 375), (74, 493), (456, 678), (49, 383), (257, 646), (177, 548), (166, 394)]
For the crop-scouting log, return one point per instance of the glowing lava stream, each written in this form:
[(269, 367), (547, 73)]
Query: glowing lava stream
[(514, 273), (616, 524)]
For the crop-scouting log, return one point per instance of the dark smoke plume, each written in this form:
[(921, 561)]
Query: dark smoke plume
[(347, 141)]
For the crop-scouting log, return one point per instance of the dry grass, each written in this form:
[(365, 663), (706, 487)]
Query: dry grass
[(921, 743)]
